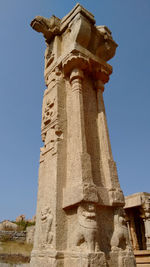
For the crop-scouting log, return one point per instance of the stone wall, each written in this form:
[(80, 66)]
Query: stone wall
[(12, 236)]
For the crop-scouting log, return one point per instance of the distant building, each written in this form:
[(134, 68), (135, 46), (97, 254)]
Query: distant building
[(137, 209)]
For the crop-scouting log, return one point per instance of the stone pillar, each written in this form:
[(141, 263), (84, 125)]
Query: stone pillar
[(133, 234), (80, 218), (145, 215), (108, 166)]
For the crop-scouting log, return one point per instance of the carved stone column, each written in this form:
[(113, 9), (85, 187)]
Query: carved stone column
[(77, 174), (145, 215), (133, 234), (80, 219)]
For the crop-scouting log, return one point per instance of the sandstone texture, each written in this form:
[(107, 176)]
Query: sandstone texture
[(20, 218), (30, 234), (79, 219), (7, 225)]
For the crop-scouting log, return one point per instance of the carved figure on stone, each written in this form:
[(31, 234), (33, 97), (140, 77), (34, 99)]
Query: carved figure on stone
[(87, 231), (55, 135), (107, 47), (146, 206), (49, 112), (120, 238), (51, 131), (49, 27), (46, 226)]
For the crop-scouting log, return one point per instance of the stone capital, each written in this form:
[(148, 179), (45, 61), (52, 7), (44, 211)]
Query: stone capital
[(76, 74), (75, 42)]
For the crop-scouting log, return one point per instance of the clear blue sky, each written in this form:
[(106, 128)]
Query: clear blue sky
[(127, 95)]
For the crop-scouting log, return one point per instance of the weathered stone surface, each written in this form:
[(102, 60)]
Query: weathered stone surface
[(79, 219), (30, 234), (33, 220), (7, 225), (20, 218)]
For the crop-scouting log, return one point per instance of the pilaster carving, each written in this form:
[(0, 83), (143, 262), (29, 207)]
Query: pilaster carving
[(76, 78), (145, 215), (51, 130), (108, 166), (134, 239)]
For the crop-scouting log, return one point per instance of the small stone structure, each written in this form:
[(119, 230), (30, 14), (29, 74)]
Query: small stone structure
[(137, 208), (80, 219)]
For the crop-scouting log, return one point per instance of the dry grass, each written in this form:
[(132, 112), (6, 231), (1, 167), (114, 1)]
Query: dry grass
[(15, 252), (12, 247)]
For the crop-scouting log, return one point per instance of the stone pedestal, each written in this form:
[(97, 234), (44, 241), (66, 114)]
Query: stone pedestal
[(122, 259), (80, 219)]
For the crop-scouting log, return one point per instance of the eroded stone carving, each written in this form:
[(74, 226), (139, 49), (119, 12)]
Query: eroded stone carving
[(145, 215), (46, 226), (87, 230), (55, 136), (48, 27), (120, 238), (49, 111), (107, 48), (51, 131)]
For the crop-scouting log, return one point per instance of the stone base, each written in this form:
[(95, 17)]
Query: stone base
[(142, 258), (122, 259), (85, 260), (67, 259)]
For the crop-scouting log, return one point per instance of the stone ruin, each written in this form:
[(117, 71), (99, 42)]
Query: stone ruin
[(137, 208), (80, 219)]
